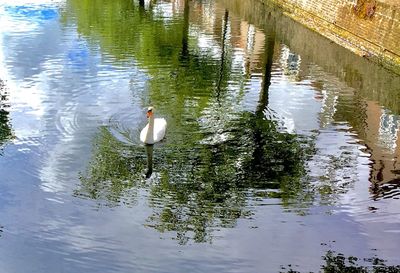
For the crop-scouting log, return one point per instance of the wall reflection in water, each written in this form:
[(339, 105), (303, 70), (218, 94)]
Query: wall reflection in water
[(359, 94)]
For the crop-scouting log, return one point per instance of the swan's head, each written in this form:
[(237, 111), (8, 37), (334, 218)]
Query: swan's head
[(150, 112)]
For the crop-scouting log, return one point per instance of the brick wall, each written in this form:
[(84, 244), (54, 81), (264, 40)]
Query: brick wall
[(370, 28)]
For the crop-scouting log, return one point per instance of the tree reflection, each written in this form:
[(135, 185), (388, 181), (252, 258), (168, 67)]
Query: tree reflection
[(200, 188), (224, 37), (114, 172), (5, 128), (185, 32), (216, 158), (338, 263)]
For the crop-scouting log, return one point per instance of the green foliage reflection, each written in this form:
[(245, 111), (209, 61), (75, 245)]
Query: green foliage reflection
[(5, 128), (113, 174), (338, 263), (198, 188), (217, 158)]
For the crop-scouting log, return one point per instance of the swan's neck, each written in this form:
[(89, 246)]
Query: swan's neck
[(150, 130)]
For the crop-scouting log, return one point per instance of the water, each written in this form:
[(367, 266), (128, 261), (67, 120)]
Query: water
[(281, 147)]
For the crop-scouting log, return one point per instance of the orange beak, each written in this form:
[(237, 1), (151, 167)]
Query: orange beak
[(149, 114)]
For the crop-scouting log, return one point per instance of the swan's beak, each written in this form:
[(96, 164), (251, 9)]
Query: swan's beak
[(149, 114)]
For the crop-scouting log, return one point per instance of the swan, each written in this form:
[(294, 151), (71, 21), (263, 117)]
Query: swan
[(154, 131)]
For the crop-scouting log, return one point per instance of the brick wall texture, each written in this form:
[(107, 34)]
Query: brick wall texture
[(371, 25)]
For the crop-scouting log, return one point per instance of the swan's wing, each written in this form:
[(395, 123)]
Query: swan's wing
[(143, 133), (160, 126)]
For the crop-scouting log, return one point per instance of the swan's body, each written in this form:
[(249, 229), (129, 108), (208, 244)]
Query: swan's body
[(154, 131)]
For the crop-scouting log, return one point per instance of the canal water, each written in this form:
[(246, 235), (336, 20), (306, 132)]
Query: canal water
[(282, 149)]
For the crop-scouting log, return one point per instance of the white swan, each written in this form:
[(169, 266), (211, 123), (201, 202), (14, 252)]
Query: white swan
[(154, 131)]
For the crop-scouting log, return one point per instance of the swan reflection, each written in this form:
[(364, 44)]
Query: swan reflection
[(149, 153)]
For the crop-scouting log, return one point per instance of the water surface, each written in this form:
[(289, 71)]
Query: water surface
[(281, 147)]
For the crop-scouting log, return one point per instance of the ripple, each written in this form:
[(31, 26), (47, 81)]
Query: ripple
[(67, 122)]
